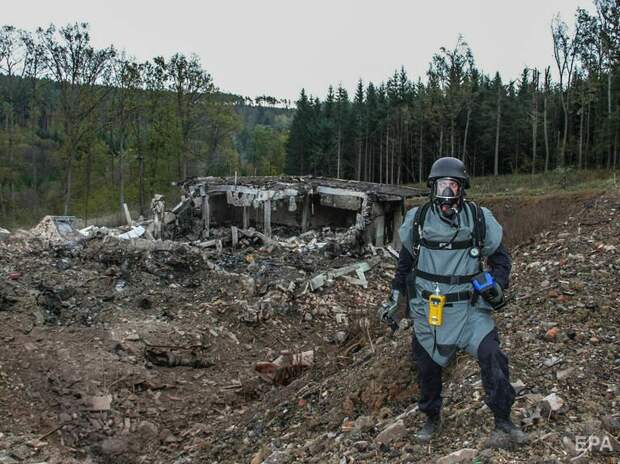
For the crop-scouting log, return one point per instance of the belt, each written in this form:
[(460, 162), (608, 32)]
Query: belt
[(445, 279), (450, 297)]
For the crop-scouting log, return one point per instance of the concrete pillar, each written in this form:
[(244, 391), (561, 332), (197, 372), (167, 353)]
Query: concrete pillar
[(246, 218), (397, 220), (234, 232), (267, 218), (305, 214), (206, 215), (379, 224)]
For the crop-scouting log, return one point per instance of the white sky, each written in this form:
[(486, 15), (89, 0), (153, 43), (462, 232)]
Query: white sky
[(276, 47)]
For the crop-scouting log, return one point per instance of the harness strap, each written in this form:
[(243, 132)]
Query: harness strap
[(450, 297), (479, 223), (418, 225), (445, 279), (460, 245)]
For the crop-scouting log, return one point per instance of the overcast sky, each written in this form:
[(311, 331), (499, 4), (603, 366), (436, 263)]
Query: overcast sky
[(276, 47)]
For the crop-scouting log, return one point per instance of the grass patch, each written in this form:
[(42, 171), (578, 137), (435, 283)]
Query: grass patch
[(558, 180)]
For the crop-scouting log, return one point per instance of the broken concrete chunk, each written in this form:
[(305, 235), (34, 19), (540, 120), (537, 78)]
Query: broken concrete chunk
[(392, 432), (58, 230), (4, 234), (463, 455), (286, 367), (552, 361), (359, 268), (340, 336), (318, 281), (364, 423), (551, 404), (565, 373), (135, 232), (99, 403), (519, 386)]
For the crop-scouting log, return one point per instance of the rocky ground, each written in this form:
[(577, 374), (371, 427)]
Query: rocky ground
[(113, 353)]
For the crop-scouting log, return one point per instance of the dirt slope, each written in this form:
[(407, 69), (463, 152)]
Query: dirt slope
[(112, 354)]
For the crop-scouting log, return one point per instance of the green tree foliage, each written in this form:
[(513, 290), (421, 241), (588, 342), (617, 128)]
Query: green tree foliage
[(268, 151), (84, 130), (392, 131)]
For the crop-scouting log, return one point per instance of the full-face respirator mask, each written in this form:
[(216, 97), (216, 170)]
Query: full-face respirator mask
[(447, 195)]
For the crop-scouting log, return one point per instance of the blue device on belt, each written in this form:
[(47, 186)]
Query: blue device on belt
[(483, 282)]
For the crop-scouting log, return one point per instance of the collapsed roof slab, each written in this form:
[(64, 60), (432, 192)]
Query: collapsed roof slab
[(301, 184), (302, 202)]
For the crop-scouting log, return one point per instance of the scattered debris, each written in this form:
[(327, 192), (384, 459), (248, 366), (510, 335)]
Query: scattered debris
[(135, 232), (168, 358), (463, 455), (551, 334), (551, 404), (99, 403), (393, 432), (519, 386), (188, 300), (58, 230), (286, 367), (360, 268), (565, 373)]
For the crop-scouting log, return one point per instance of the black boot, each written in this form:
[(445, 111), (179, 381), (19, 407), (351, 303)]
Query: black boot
[(516, 434), (506, 435), (431, 427)]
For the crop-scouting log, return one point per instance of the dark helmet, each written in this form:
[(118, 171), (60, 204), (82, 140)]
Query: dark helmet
[(449, 167), (447, 180)]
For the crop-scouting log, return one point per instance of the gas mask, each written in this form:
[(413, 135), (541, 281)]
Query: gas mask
[(447, 195)]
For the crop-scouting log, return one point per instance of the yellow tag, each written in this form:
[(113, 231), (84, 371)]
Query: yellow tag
[(435, 309)]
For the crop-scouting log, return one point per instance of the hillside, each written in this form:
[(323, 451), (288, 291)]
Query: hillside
[(115, 353)]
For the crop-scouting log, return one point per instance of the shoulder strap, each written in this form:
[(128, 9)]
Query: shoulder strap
[(418, 225), (480, 228)]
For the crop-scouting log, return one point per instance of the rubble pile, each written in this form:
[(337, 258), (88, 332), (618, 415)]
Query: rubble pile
[(156, 351), (560, 330), (116, 345)]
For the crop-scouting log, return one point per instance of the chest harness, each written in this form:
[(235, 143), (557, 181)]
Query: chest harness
[(474, 244)]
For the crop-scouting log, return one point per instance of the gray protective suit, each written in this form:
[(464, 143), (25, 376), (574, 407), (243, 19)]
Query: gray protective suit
[(464, 324)]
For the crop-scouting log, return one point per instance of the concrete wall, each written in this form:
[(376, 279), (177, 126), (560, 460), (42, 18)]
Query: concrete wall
[(322, 214)]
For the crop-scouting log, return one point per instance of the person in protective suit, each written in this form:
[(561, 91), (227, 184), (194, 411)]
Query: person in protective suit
[(445, 244)]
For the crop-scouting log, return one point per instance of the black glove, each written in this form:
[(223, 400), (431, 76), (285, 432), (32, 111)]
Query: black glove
[(495, 296), (489, 289), (387, 309)]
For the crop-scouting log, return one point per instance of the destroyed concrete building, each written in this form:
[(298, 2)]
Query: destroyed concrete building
[(370, 213)]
